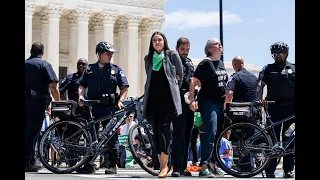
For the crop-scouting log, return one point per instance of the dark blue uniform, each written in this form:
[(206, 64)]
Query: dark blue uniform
[(38, 75), (99, 81), (183, 124), (244, 86), (281, 89), (70, 83)]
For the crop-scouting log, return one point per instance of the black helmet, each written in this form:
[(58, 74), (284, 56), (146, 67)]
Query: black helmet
[(104, 47), (279, 47)]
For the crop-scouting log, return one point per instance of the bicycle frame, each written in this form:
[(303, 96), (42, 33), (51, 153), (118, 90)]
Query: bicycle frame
[(97, 146), (271, 125), (270, 130)]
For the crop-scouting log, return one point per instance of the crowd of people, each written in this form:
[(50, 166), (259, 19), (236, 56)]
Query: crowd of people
[(170, 75)]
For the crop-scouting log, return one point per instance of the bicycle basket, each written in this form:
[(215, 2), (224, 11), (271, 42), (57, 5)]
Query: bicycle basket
[(63, 109), (239, 111)]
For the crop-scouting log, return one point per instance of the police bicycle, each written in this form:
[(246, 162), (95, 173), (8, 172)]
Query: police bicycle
[(254, 142), (74, 139)]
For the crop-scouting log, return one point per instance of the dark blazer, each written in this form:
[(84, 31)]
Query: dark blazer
[(172, 67)]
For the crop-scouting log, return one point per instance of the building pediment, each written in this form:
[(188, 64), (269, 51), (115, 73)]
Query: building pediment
[(150, 4)]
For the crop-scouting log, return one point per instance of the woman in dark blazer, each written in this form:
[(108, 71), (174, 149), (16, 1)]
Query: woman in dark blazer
[(161, 102)]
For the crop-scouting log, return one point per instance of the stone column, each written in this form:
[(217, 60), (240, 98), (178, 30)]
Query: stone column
[(73, 28), (156, 24), (140, 89), (92, 45), (83, 35), (108, 24), (122, 59), (133, 55), (115, 57), (44, 31), (97, 22), (54, 13), (29, 10), (145, 41)]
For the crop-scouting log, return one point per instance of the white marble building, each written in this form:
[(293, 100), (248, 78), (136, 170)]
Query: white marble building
[(70, 30)]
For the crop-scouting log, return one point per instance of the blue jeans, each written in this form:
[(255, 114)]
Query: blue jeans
[(209, 112)]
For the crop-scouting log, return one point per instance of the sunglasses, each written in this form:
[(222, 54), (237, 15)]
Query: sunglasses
[(130, 116), (109, 53), (81, 63)]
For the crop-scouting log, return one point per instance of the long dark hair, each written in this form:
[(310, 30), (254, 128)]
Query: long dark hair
[(166, 49)]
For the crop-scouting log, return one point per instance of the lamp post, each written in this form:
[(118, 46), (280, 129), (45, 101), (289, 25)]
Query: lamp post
[(221, 25)]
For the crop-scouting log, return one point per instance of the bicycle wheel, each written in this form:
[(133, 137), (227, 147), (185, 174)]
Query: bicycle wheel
[(141, 141), (69, 145), (250, 145), (46, 152)]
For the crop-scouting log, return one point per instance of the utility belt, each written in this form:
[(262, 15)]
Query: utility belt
[(109, 99), (36, 95)]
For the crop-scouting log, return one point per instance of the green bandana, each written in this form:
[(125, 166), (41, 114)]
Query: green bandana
[(197, 119), (157, 60)]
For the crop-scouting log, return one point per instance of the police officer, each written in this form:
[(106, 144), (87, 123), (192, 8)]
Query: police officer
[(183, 124), (280, 80), (242, 85), (69, 83), (102, 79), (40, 79)]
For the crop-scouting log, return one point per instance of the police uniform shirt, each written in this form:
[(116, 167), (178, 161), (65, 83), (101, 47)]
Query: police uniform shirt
[(102, 80), (244, 85), (38, 74), (213, 81), (70, 83), (280, 82), (188, 71)]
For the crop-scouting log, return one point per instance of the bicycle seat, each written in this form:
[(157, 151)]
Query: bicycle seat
[(89, 102)]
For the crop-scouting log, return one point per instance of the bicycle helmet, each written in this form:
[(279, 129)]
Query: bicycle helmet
[(279, 47), (104, 47)]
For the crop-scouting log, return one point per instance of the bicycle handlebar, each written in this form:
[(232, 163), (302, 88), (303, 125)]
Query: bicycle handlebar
[(262, 103), (134, 100)]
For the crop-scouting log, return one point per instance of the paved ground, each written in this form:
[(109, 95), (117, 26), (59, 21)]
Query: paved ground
[(44, 174)]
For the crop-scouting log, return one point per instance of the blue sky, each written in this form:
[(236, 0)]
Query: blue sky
[(250, 27)]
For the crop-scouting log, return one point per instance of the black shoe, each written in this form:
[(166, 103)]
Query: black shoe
[(111, 170), (270, 175), (186, 173), (32, 168), (35, 167), (175, 174), (288, 175), (86, 169)]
